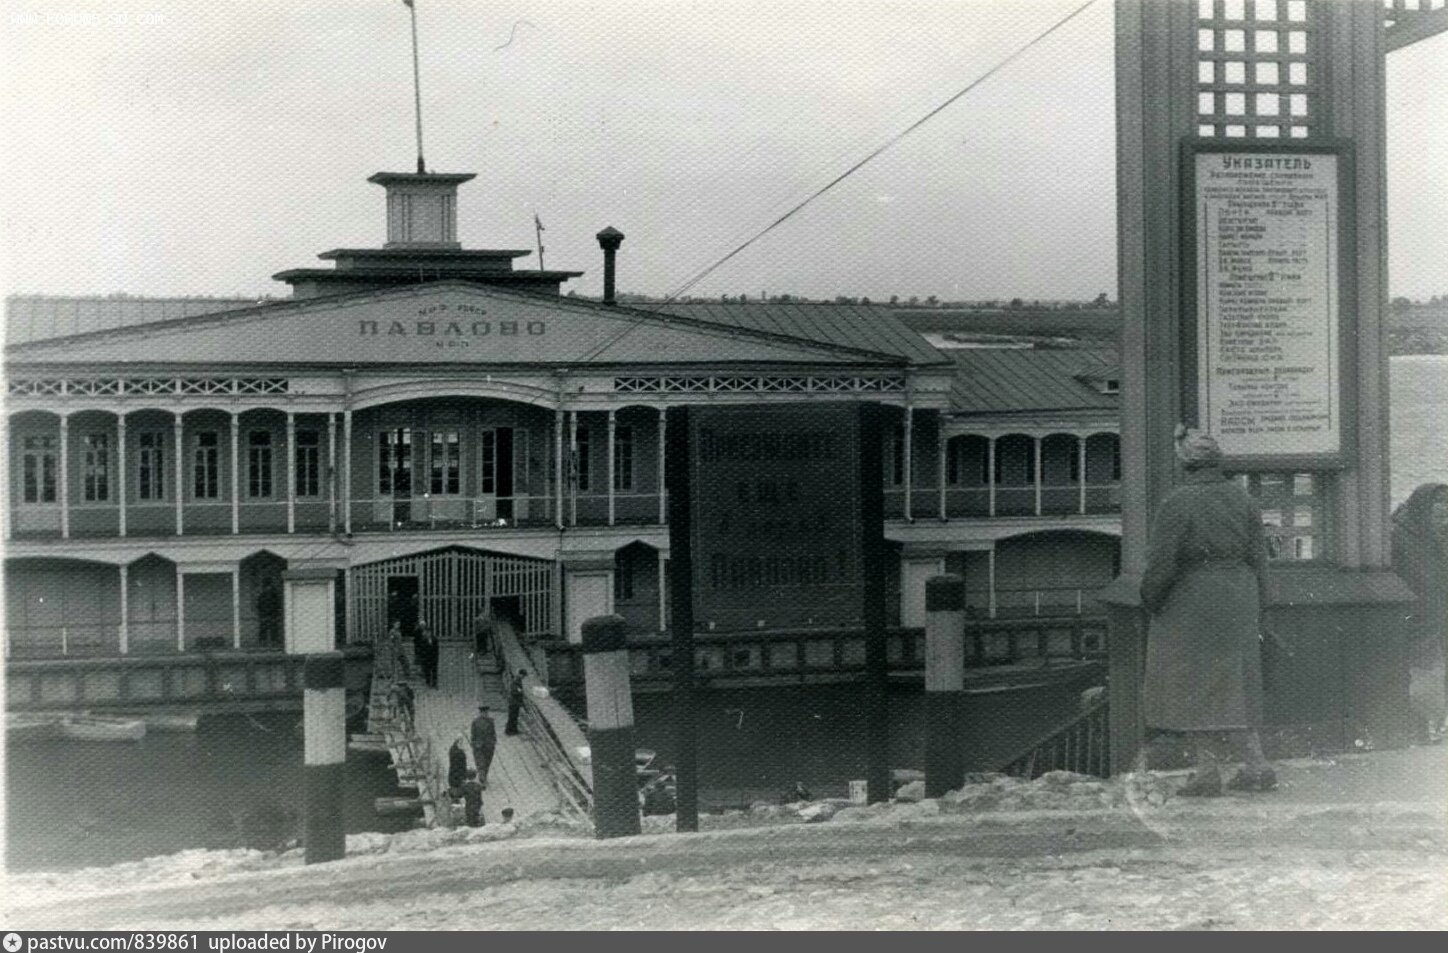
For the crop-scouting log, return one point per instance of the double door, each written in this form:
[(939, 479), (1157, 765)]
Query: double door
[(501, 483)]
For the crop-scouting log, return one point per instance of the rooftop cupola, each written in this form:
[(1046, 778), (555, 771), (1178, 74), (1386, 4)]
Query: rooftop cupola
[(422, 208)]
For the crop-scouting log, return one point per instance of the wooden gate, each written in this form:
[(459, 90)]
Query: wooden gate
[(453, 587)]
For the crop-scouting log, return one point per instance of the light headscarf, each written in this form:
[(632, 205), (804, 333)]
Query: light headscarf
[(1196, 448)]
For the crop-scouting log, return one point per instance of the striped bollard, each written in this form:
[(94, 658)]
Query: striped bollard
[(944, 683), (610, 726), (324, 745)]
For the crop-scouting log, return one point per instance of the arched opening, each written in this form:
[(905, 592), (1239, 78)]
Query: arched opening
[(636, 587), (35, 474), (63, 607), (1103, 473), (1015, 475), (967, 476), (1060, 474)]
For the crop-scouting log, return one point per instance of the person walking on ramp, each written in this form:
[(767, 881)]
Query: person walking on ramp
[(485, 742), (1205, 586), (515, 702)]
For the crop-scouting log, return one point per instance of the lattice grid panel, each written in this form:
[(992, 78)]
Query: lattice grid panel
[(1257, 74)]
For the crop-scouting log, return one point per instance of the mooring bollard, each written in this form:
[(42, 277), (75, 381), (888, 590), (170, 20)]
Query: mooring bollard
[(324, 745), (610, 726), (944, 683)]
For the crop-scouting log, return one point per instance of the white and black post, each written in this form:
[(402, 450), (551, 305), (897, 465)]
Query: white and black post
[(610, 726), (324, 745), (944, 683)]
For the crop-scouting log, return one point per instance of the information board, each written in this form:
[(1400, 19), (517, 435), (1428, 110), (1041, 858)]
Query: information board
[(776, 504), (1266, 231)]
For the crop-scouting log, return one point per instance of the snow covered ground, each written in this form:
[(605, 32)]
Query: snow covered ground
[(1062, 851)]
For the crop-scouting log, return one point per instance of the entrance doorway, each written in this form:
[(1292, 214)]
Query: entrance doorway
[(394, 472), (496, 468), (451, 588)]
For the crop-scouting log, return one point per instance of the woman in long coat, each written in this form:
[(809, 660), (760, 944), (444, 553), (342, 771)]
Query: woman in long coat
[(1420, 558), (1205, 585)]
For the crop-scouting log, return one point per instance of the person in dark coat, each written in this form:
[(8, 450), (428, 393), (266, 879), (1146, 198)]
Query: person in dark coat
[(426, 647), (515, 702), (1205, 586), (457, 767), (1420, 558), (485, 742), (472, 800), (269, 614)]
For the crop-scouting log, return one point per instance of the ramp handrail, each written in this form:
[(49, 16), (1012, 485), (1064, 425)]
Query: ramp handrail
[(1081, 744)]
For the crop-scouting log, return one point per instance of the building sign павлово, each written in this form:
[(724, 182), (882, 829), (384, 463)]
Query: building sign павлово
[(1267, 300)]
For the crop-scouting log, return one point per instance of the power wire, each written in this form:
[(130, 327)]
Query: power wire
[(706, 272)]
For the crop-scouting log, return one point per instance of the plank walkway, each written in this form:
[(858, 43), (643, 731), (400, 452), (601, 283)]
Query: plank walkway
[(517, 779)]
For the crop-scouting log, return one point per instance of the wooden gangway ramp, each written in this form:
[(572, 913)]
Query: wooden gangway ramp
[(519, 777)]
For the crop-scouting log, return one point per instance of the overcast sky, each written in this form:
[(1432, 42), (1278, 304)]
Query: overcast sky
[(160, 147)]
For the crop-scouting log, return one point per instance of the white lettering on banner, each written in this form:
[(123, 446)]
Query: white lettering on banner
[(1267, 303)]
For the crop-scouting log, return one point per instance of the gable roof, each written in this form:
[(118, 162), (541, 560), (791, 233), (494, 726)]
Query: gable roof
[(41, 317), (448, 322), (860, 326), (1010, 380)]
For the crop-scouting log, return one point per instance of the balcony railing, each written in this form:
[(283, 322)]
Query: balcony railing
[(800, 654), (967, 502)]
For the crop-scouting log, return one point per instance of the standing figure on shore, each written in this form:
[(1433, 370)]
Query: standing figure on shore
[(472, 800), (515, 702), (457, 767), (1420, 558), (485, 742), (1205, 586), (269, 614)]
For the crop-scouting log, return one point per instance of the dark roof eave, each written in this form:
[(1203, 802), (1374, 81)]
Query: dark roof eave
[(423, 252), (409, 275)]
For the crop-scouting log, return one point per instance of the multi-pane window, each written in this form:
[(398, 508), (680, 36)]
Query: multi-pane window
[(150, 465), (38, 469), (623, 460), (580, 464), (1292, 512), (394, 462), (259, 464), (1255, 77), (446, 463), (309, 463), (490, 461), (96, 464), (206, 466)]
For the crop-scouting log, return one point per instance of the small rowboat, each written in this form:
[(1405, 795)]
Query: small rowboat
[(22, 728), (100, 728)]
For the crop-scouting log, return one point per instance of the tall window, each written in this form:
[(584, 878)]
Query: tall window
[(446, 462), (309, 463), (259, 464), (96, 459), (38, 469), (623, 580), (394, 462), (580, 465), (490, 461), (206, 466), (623, 462), (151, 465)]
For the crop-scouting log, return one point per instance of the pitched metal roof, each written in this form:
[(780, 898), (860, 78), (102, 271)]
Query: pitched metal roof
[(865, 327), (1006, 380), (42, 317)]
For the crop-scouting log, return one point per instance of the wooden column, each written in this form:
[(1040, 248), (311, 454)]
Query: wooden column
[(574, 468), (560, 478), (236, 608), (121, 470), (662, 483), (235, 473), (347, 475), (909, 461), (990, 580), (125, 627), (178, 427), (64, 480), (990, 473), (291, 472), (1040, 445), (942, 447), (1081, 469), (332, 472), (180, 610), (612, 428)]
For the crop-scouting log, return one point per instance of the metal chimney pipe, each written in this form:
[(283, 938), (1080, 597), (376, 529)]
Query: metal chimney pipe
[(609, 239)]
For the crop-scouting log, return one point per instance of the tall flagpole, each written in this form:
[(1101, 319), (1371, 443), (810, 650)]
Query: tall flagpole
[(416, 84), (538, 231)]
